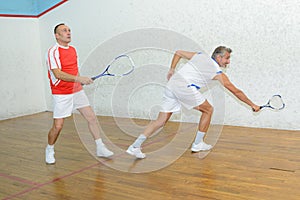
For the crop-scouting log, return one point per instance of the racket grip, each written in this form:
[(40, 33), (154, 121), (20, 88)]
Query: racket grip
[(93, 78), (260, 107)]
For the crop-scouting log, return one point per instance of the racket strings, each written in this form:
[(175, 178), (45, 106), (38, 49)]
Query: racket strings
[(276, 102), (121, 66)]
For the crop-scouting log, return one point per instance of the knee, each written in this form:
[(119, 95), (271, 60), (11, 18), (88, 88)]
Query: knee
[(92, 119), (58, 127), (206, 108), (210, 109)]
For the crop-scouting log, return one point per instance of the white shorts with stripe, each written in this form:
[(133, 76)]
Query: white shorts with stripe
[(173, 99)]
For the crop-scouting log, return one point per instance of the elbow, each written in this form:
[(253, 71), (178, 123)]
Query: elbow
[(178, 52), (57, 76), (56, 73)]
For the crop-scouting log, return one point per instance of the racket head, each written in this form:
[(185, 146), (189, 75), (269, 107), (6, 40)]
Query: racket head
[(120, 66), (275, 103)]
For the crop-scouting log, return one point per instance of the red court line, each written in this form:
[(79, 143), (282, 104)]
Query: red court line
[(20, 16), (49, 182), (18, 179), (56, 179), (78, 171), (53, 7), (34, 16)]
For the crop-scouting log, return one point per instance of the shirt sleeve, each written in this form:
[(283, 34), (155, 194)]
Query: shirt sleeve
[(53, 61)]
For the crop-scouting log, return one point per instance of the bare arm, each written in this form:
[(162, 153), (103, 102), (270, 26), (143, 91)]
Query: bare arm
[(177, 56), (224, 80), (71, 78)]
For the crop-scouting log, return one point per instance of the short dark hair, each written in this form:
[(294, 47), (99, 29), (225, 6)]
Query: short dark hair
[(221, 51), (56, 27)]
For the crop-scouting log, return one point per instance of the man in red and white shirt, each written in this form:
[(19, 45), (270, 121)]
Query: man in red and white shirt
[(66, 86)]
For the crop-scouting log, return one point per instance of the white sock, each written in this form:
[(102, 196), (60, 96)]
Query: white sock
[(199, 137), (50, 146), (139, 141), (99, 142)]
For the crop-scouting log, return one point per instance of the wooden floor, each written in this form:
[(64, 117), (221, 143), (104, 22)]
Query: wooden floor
[(245, 164)]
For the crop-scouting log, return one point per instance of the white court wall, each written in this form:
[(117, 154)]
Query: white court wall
[(263, 35), (21, 77)]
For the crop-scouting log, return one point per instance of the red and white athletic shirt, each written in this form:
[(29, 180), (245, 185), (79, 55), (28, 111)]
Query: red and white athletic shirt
[(65, 59)]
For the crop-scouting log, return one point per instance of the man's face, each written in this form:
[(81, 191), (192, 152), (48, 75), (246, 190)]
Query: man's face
[(63, 35), (223, 61)]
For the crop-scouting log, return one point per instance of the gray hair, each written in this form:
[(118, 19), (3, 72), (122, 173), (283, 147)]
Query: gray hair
[(220, 51)]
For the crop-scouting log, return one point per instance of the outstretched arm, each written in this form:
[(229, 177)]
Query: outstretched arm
[(224, 80), (177, 56)]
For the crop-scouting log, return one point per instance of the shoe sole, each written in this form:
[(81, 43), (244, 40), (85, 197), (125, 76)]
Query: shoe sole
[(130, 153), (105, 156), (193, 150)]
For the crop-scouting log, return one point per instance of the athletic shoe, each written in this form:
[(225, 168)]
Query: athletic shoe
[(50, 156), (135, 152), (102, 151), (202, 146)]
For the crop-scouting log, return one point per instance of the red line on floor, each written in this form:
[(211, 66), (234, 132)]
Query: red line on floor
[(18, 179), (76, 172)]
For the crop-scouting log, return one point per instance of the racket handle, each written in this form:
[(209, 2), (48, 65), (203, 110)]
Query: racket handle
[(260, 107), (93, 78)]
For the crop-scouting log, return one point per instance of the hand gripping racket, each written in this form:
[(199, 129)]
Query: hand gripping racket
[(120, 66), (275, 103)]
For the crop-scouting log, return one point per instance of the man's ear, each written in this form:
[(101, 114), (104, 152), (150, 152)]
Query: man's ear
[(218, 57), (56, 35)]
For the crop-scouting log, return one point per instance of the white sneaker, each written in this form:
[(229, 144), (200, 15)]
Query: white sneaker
[(102, 151), (50, 156), (202, 146), (135, 152)]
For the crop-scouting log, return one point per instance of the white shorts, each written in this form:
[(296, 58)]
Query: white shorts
[(173, 99), (65, 104)]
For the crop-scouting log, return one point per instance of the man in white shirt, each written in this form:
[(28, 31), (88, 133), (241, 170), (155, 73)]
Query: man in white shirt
[(182, 90)]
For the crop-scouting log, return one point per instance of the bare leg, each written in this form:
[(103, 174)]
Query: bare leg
[(52, 137), (158, 123), (55, 130), (135, 149), (89, 115), (207, 111)]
